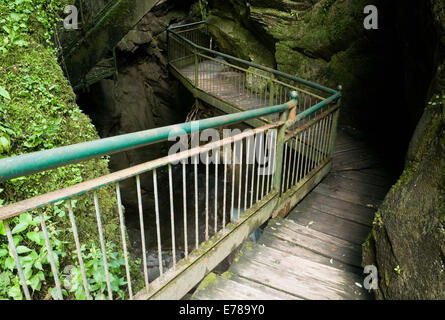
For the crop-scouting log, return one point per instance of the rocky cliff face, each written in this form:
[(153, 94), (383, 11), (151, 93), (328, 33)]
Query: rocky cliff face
[(324, 41), (143, 96), (407, 243)]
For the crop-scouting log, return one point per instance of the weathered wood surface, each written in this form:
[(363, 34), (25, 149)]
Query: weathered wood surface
[(315, 253)]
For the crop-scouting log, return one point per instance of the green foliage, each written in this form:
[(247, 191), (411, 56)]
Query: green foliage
[(95, 273), (326, 5), (37, 112), (24, 17), (397, 269), (203, 6)]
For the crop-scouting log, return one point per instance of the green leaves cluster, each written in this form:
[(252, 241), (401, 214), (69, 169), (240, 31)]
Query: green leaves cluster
[(24, 16), (33, 255), (95, 274)]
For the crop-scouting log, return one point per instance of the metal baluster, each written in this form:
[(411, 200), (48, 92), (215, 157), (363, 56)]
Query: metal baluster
[(240, 178), (216, 189), (16, 259), (285, 164), (141, 223), (233, 182), (172, 215), (290, 162), (207, 197), (78, 250), (124, 239), (295, 162), (158, 226), (308, 151), (253, 171), (260, 156), (103, 247), (270, 161), (247, 172), (264, 163), (298, 138), (225, 187), (184, 199), (196, 203)]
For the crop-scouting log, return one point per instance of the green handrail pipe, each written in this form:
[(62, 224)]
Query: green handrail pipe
[(30, 163)]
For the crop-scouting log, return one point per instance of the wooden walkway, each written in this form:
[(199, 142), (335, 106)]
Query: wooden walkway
[(315, 253)]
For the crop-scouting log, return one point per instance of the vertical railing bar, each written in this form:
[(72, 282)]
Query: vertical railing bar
[(102, 244), (240, 178), (290, 162), (16, 259), (295, 162), (328, 135), (225, 188), (318, 142), (299, 157), (308, 137), (247, 172), (216, 188), (311, 151), (260, 156), (324, 137), (303, 152), (284, 169), (253, 170), (271, 161), (264, 161), (158, 227), (141, 223), (233, 182), (320, 137), (207, 197), (172, 215), (184, 201), (78, 250), (310, 148), (196, 203)]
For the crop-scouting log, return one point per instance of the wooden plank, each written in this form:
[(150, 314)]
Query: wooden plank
[(297, 276), (269, 239), (355, 186), (339, 208), (316, 241), (330, 225), (237, 288), (333, 192), (360, 175)]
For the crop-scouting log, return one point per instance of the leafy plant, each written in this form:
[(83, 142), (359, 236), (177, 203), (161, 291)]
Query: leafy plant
[(203, 6), (95, 273), (4, 93)]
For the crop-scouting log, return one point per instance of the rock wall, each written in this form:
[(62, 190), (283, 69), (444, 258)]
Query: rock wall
[(142, 97), (407, 242), (324, 41)]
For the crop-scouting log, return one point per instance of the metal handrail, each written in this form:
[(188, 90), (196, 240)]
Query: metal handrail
[(30, 163), (252, 64)]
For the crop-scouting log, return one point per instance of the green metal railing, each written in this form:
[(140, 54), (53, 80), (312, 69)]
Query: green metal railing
[(207, 199), (233, 83)]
